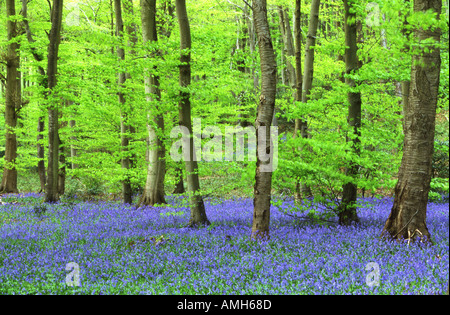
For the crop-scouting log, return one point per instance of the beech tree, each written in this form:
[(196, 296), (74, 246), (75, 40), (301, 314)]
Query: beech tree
[(347, 210), (13, 101), (51, 193), (124, 123), (198, 213), (266, 106), (300, 124), (308, 76), (407, 219), (154, 186)]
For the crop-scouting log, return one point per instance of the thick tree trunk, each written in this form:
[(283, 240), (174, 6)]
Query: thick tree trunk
[(407, 219), (131, 30), (124, 122), (300, 124), (252, 47), (198, 213), (41, 153), (62, 169), (347, 209), (156, 169), (263, 177), (309, 54), (51, 193), (288, 45), (13, 103)]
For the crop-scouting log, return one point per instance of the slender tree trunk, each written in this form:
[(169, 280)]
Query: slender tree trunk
[(347, 209), (13, 103), (405, 85), (198, 213), (62, 169), (308, 76), (41, 153), (73, 148), (281, 40), (289, 51), (309, 54), (156, 169), (124, 123), (407, 219), (132, 41), (266, 106), (51, 193), (300, 124), (252, 47)]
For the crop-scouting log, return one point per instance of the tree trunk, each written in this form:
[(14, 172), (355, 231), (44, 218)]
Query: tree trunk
[(347, 209), (288, 46), (300, 124), (407, 219), (179, 186), (51, 193), (266, 106), (156, 169), (198, 213), (124, 122), (44, 84), (305, 190), (41, 153), (13, 103), (309, 54)]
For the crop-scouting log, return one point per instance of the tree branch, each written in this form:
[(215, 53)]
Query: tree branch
[(3, 79), (30, 39)]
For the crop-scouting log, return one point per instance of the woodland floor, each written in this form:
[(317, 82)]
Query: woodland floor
[(123, 250)]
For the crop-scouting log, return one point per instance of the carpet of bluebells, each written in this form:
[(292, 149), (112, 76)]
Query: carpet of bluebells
[(123, 250)]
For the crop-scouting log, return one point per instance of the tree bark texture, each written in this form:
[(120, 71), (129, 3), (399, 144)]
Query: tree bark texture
[(198, 213), (266, 106), (124, 123), (51, 193), (407, 219), (156, 169), (347, 209), (13, 103)]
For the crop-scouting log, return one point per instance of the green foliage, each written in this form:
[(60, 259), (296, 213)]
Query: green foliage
[(222, 95), (441, 159), (439, 190)]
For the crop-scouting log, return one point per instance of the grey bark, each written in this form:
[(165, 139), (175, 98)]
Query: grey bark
[(407, 219), (305, 190), (124, 123), (154, 188), (347, 209), (266, 106), (51, 193), (198, 213)]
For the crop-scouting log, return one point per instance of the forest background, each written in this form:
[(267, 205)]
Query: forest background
[(224, 92)]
